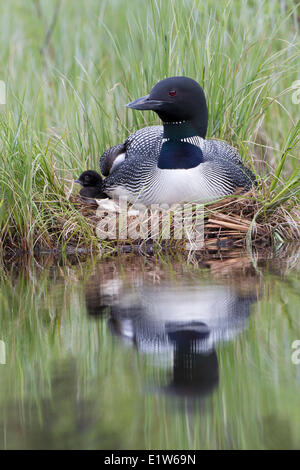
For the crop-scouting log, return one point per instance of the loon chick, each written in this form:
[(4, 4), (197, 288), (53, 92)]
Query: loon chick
[(173, 163), (92, 185)]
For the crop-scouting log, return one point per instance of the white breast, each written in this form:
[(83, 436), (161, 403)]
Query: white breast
[(181, 186), (168, 186)]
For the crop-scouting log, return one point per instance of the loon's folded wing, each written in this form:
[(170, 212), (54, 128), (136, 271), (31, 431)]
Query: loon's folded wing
[(218, 149), (229, 158), (112, 158)]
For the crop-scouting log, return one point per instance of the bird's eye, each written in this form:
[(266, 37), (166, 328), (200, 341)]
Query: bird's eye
[(172, 92)]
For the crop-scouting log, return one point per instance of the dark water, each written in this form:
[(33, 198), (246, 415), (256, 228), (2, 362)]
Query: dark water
[(146, 353)]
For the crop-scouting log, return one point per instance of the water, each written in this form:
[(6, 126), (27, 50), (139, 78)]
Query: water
[(145, 353)]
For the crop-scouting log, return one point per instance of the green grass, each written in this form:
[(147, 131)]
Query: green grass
[(67, 87)]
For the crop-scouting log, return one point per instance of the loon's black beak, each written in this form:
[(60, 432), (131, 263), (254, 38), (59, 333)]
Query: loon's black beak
[(145, 103), (78, 182)]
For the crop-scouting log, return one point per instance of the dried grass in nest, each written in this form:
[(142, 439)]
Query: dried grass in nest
[(231, 219), (229, 223)]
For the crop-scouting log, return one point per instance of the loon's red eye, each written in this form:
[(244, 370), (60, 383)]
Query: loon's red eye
[(172, 92)]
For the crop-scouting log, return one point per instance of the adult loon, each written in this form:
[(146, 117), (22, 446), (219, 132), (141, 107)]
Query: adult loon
[(173, 163)]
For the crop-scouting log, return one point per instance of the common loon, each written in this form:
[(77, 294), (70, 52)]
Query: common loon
[(173, 163), (92, 185)]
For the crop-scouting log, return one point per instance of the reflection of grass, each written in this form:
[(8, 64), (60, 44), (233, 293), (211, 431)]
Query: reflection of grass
[(66, 96), (69, 383)]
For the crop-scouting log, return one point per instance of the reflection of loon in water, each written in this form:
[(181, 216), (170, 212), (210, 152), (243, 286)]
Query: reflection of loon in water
[(182, 325)]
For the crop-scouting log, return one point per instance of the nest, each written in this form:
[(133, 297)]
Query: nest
[(230, 223)]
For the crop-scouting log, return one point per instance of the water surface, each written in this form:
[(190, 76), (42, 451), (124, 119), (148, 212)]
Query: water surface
[(149, 353)]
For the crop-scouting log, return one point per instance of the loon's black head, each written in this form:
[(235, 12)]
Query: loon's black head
[(177, 99), (89, 178)]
